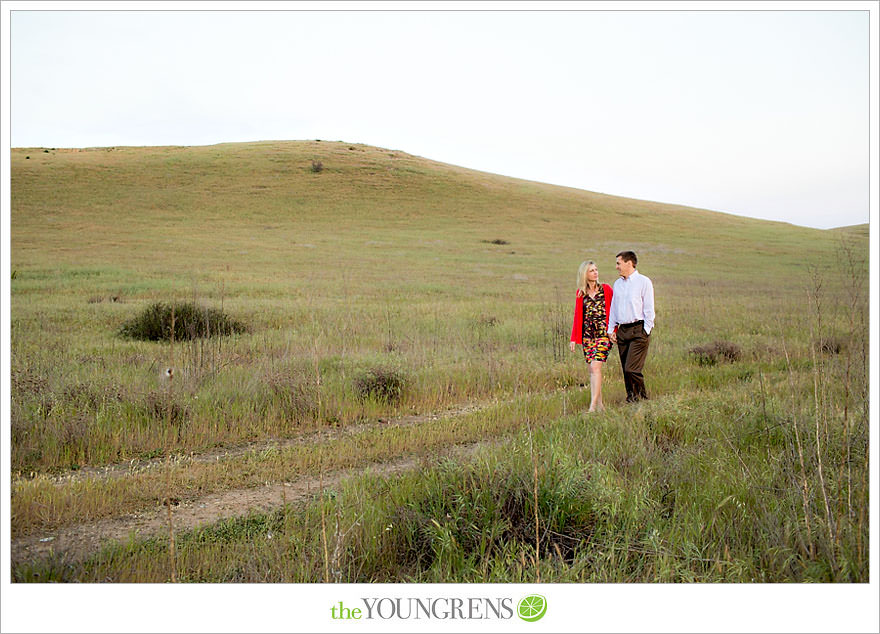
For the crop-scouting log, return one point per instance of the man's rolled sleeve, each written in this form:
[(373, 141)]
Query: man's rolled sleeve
[(648, 306), (612, 315)]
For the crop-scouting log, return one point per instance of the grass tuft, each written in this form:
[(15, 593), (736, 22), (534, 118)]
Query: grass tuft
[(380, 383), (191, 321), (831, 345), (712, 353)]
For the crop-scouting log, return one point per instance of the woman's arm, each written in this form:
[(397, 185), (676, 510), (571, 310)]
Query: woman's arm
[(577, 326)]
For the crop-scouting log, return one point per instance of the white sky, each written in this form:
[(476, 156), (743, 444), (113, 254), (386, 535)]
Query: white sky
[(758, 113)]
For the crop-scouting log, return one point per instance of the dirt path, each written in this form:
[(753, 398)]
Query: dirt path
[(79, 541), (321, 435), (75, 542)]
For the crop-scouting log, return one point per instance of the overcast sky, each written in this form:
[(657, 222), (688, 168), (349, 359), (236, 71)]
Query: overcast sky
[(757, 113)]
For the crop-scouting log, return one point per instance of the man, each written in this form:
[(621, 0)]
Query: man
[(630, 323)]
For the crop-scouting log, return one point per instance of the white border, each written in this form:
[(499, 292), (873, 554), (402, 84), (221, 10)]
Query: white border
[(432, 5), (572, 607)]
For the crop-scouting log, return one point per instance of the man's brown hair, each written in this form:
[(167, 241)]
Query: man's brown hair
[(628, 256)]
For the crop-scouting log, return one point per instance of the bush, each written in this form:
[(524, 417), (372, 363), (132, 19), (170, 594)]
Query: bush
[(294, 395), (162, 407), (384, 384), (712, 353), (496, 241), (190, 322), (485, 321), (463, 513), (831, 345), (317, 166)]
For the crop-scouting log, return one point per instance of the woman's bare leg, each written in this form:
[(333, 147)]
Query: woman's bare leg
[(596, 386)]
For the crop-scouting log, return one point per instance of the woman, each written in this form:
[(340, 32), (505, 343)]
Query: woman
[(590, 328)]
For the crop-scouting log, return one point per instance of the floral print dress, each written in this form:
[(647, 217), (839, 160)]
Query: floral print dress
[(596, 343)]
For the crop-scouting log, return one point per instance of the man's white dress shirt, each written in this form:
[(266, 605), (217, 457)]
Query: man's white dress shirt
[(633, 300)]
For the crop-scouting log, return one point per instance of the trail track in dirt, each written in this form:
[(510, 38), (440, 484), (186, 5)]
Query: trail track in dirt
[(312, 437), (78, 541)]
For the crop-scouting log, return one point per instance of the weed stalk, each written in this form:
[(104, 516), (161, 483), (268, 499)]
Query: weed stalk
[(172, 550)]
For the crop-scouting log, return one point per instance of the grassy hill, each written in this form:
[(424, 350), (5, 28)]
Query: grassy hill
[(204, 209), (456, 286)]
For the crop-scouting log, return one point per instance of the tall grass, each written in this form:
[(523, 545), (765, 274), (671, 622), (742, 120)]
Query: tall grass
[(691, 488), (373, 294)]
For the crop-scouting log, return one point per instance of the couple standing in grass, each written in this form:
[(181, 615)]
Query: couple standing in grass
[(623, 315)]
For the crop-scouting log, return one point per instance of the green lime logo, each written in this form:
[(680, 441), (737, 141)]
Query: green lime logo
[(532, 608)]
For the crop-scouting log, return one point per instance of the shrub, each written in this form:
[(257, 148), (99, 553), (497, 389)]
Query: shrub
[(712, 353), (385, 384), (495, 241), (465, 512), (91, 395), (190, 322), (162, 406), (830, 345), (485, 321), (317, 166), (295, 396)]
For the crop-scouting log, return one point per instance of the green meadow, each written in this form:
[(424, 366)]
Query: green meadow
[(379, 285)]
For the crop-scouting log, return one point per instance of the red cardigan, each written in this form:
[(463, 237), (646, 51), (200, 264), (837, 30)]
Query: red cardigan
[(577, 329)]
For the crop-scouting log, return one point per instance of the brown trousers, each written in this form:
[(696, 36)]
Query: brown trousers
[(632, 345)]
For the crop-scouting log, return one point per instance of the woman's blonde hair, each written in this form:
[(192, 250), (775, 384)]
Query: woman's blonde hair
[(582, 276)]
